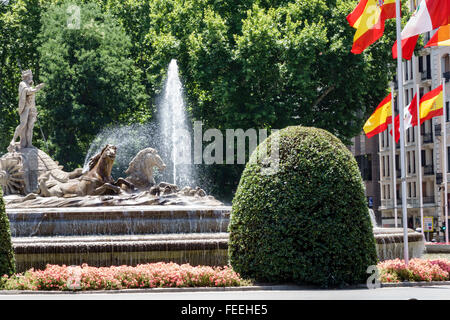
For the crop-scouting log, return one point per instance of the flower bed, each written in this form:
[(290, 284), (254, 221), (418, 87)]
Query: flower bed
[(155, 275), (417, 270)]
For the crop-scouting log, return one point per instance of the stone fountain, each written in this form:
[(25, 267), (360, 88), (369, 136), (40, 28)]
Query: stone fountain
[(85, 216), (390, 244)]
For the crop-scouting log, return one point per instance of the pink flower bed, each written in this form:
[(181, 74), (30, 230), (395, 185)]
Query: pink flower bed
[(417, 270), (155, 275)]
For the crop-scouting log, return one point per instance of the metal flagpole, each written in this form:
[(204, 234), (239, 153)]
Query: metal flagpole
[(419, 159), (402, 128), (394, 169), (444, 175)]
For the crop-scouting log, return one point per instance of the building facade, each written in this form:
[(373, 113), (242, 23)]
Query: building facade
[(427, 70), (366, 154)]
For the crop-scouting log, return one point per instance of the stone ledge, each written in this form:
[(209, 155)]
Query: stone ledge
[(415, 284), (286, 287), (437, 248)]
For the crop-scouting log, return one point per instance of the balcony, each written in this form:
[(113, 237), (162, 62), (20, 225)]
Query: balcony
[(425, 75), (428, 200), (446, 76), (412, 202), (428, 170), (437, 129), (387, 203), (427, 138)]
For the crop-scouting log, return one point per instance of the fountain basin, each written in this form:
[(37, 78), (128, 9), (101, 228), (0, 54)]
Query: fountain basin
[(390, 245), (104, 236), (118, 220), (196, 249)]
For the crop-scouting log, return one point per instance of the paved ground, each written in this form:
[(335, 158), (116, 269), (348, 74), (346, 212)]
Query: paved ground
[(403, 293)]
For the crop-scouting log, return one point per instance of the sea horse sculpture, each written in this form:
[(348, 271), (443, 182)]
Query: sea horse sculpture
[(97, 181)]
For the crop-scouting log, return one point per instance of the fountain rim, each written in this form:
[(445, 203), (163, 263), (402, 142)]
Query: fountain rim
[(142, 208)]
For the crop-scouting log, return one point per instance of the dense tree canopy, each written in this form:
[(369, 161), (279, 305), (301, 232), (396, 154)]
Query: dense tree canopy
[(245, 64), (91, 79)]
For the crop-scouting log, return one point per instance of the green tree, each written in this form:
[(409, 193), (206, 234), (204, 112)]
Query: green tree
[(290, 63), (7, 261), (19, 26), (91, 79), (245, 64)]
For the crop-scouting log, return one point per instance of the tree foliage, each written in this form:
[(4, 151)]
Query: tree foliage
[(7, 260), (91, 79), (245, 64)]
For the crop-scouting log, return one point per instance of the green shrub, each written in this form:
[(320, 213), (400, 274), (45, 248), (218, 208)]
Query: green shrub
[(308, 223), (7, 262)]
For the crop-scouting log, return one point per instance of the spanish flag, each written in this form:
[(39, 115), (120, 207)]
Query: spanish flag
[(368, 19), (379, 120), (440, 38), (432, 104)]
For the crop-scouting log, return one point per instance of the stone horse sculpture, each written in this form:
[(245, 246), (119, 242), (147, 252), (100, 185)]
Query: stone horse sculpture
[(97, 181), (140, 169)]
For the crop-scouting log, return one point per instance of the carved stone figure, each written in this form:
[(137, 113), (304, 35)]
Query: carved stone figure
[(11, 174), (27, 111), (140, 169), (97, 181)]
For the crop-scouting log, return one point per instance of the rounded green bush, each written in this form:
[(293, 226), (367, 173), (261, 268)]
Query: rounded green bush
[(7, 261), (308, 222)]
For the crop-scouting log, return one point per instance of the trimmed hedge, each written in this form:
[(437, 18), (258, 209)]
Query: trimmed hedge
[(7, 261), (308, 223)]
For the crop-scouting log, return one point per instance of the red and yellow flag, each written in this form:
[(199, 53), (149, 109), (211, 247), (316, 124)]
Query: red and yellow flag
[(368, 19), (432, 104), (379, 120), (440, 38)]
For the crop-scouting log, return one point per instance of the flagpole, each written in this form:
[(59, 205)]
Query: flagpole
[(394, 169), (402, 128), (419, 159), (444, 175)]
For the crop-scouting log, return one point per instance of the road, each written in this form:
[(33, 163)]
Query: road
[(403, 293)]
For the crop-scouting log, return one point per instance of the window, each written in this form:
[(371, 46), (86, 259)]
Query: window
[(446, 63), (387, 135), (411, 70), (406, 70), (424, 159), (447, 109), (388, 166), (408, 161), (365, 166), (448, 159), (425, 67)]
